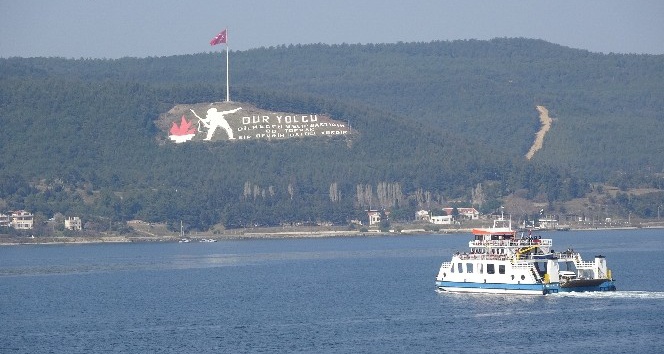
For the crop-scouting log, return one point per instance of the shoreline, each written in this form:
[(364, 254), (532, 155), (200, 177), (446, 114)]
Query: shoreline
[(267, 234)]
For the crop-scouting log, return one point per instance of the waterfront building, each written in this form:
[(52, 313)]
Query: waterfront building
[(73, 223), (22, 220)]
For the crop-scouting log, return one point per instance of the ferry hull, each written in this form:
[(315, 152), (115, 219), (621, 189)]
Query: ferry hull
[(588, 285), (497, 288), (525, 289)]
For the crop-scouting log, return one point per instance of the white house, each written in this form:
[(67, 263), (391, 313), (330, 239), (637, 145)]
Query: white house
[(22, 220), (5, 220), (466, 213), (442, 219), (422, 215), (73, 223), (374, 217), (549, 223)]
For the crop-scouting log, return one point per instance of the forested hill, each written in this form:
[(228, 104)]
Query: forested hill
[(606, 107), (431, 123)]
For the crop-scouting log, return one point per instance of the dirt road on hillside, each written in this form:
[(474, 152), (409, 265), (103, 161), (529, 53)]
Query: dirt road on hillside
[(539, 137)]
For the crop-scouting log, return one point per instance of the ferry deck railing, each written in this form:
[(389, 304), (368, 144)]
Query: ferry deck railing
[(511, 243)]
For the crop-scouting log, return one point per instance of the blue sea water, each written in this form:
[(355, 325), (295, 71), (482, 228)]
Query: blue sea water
[(323, 295)]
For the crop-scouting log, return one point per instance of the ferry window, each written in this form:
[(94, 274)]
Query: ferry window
[(490, 269), (481, 268), (469, 267), (460, 267), (452, 268), (501, 269)]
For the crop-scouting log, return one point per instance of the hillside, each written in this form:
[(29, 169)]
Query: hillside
[(489, 90), (478, 90), (432, 123)]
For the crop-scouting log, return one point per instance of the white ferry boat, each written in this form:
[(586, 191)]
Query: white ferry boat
[(501, 262)]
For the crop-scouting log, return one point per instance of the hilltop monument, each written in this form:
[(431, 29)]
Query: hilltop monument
[(246, 122), (252, 123)]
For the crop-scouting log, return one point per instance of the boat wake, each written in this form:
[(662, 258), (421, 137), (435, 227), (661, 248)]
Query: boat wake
[(655, 295)]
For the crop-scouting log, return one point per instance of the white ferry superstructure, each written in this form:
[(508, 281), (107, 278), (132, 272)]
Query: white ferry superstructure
[(500, 262)]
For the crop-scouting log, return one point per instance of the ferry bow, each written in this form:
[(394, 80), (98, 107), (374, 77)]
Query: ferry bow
[(499, 261)]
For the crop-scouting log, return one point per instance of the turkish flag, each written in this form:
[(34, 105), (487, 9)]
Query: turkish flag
[(218, 39)]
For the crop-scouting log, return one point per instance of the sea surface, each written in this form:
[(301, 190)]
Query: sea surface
[(318, 295)]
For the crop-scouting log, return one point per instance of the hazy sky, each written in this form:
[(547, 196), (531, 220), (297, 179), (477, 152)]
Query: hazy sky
[(142, 28)]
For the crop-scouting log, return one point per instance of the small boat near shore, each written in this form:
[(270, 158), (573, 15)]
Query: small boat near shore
[(499, 261)]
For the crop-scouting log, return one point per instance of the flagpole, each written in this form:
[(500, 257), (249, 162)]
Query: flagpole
[(228, 92), (222, 37)]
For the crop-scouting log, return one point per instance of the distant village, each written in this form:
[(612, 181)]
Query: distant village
[(449, 216), (24, 220), (457, 216), (375, 219)]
